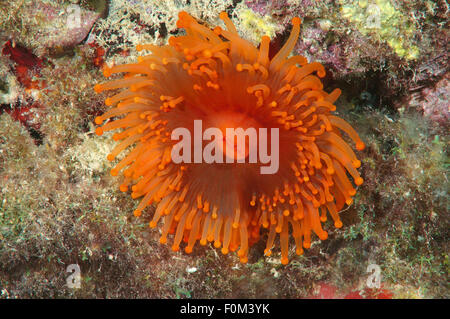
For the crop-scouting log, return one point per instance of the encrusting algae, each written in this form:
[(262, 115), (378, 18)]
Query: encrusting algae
[(216, 76)]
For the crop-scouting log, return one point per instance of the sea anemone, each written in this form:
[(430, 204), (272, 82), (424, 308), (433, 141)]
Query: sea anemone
[(215, 76)]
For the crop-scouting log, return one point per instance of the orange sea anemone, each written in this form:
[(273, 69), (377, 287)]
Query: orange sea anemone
[(217, 77)]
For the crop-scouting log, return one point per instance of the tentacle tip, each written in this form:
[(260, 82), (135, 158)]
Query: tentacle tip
[(108, 102), (98, 120), (321, 73), (360, 146), (265, 38), (223, 15), (323, 235), (284, 260), (188, 249), (356, 164), (182, 14), (338, 224), (107, 72), (137, 213), (123, 188), (98, 88), (296, 21), (183, 20), (99, 131), (359, 181), (152, 224)]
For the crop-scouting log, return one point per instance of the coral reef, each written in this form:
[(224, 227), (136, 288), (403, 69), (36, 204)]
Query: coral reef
[(59, 205)]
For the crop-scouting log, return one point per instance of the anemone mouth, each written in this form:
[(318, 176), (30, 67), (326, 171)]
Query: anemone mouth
[(235, 128), (219, 78)]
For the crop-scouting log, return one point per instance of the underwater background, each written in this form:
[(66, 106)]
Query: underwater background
[(60, 206)]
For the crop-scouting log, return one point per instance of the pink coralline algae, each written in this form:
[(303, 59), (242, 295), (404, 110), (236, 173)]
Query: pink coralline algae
[(435, 103), (264, 7), (432, 101), (282, 8), (62, 26), (340, 53)]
